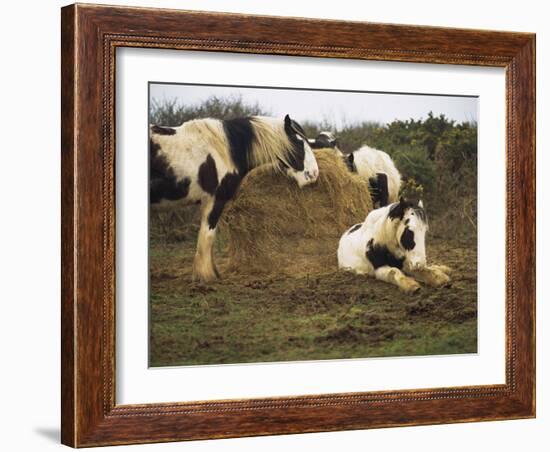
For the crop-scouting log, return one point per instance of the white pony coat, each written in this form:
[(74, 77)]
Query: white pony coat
[(369, 162), (390, 246), (379, 231), (353, 245)]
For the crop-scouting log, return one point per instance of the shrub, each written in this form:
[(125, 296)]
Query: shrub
[(436, 156)]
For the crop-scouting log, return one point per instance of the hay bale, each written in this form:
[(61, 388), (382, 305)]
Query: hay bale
[(274, 227)]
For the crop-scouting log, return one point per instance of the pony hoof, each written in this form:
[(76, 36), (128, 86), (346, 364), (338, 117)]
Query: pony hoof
[(411, 288), (205, 278), (445, 269), (444, 282)]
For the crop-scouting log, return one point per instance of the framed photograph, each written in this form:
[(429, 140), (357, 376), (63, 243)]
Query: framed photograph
[(281, 225)]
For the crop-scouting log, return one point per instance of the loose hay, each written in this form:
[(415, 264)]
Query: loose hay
[(275, 227)]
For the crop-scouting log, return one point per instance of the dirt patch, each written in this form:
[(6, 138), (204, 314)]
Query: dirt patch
[(253, 318)]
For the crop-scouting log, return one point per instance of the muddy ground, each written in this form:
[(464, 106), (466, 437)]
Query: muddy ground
[(244, 318)]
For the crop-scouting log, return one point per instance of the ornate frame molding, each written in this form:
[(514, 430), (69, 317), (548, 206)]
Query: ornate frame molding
[(90, 37)]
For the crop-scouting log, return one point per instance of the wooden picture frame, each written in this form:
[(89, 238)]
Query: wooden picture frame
[(90, 36)]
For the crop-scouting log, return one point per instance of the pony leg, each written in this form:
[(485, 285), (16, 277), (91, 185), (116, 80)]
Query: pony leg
[(395, 276), (383, 192), (433, 275), (204, 269), (379, 189)]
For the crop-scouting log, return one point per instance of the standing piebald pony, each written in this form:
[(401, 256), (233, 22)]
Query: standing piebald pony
[(378, 168), (389, 245), (204, 160)]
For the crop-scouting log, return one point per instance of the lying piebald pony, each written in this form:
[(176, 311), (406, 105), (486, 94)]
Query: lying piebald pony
[(390, 245)]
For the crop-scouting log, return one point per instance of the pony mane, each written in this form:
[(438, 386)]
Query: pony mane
[(272, 144), (398, 209)]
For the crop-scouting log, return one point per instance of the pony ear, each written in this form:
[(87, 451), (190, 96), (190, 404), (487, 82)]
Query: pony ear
[(401, 200), (292, 126), (288, 125), (420, 204)]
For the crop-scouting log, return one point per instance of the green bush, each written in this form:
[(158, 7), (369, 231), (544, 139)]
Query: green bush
[(414, 164), (436, 156)]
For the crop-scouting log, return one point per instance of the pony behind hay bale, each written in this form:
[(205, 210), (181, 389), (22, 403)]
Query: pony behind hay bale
[(379, 169), (275, 227)]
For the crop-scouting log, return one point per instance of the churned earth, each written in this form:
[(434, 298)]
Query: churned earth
[(246, 318)]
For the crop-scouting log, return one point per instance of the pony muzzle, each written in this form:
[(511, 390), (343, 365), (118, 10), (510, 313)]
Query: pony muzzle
[(304, 178), (312, 175)]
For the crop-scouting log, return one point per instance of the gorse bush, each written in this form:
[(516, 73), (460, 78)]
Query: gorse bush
[(436, 156), (415, 165)]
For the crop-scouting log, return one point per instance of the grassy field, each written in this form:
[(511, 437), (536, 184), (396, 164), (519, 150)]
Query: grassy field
[(243, 319)]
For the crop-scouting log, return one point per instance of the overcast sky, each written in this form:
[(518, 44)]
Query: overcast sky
[(338, 107)]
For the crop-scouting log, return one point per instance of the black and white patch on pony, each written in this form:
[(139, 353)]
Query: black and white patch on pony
[(407, 239), (380, 256), (204, 160), (225, 192), (390, 245), (240, 136), (398, 210), (208, 175), (355, 227), (379, 170), (324, 140), (164, 184), (298, 139), (378, 185), (349, 160)]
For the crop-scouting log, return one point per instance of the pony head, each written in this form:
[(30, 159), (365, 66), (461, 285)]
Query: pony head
[(325, 139), (411, 230), (302, 165)]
